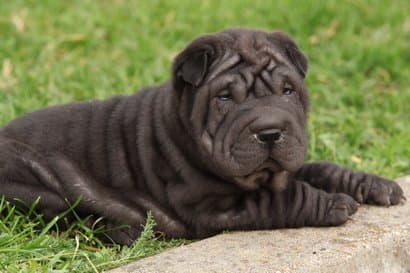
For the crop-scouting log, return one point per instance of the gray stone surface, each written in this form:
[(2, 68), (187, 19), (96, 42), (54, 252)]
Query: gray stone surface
[(376, 240)]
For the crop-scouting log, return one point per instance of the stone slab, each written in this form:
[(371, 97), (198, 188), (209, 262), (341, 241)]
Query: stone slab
[(376, 240)]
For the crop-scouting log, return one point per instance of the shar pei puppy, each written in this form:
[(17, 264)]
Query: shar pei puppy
[(221, 146)]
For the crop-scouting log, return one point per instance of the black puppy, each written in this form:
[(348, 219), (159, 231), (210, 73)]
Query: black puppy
[(219, 147)]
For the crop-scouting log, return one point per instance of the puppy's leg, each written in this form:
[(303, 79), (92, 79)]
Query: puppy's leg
[(26, 176), (22, 183), (298, 205), (309, 206), (117, 206), (23, 195), (363, 187)]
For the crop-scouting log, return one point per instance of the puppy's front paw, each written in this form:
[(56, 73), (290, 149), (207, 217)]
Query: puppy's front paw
[(384, 192), (340, 207)]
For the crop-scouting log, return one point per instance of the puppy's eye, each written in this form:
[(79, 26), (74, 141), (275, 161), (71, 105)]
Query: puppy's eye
[(224, 96), (287, 89)]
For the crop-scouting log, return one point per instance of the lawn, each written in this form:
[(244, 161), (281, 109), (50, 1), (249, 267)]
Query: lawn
[(59, 51)]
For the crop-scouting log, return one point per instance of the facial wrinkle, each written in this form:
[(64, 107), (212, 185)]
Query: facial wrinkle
[(228, 61)]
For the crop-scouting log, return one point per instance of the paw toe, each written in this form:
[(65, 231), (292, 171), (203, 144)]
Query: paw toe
[(385, 193), (342, 207), (397, 195)]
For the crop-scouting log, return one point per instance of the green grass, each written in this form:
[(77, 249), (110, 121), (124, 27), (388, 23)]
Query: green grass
[(59, 51), (27, 244)]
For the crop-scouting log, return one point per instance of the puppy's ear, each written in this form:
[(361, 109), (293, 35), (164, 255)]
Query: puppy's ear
[(292, 52), (194, 68), (192, 64)]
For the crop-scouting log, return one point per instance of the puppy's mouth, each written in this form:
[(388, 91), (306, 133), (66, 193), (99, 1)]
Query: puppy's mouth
[(270, 165), (269, 175)]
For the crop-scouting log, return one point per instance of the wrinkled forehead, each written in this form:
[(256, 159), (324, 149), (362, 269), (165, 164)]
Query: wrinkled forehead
[(253, 46), (252, 54)]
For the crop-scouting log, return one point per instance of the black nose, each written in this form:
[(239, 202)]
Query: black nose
[(269, 136)]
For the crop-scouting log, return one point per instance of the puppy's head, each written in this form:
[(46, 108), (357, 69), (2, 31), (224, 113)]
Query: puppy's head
[(242, 97)]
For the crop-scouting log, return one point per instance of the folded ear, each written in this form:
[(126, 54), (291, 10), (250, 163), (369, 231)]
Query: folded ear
[(292, 52), (194, 68), (192, 64)]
